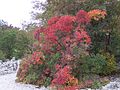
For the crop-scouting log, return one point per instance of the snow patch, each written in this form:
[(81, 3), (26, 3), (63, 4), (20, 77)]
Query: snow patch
[(7, 82)]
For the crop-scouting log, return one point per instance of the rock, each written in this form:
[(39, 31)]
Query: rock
[(9, 67), (113, 85), (13, 59)]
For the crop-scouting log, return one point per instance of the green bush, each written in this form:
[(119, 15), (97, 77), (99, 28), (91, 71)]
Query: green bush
[(96, 85), (111, 64), (2, 55), (99, 64), (94, 64)]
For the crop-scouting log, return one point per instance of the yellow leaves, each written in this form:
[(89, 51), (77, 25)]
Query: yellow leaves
[(72, 81), (97, 14)]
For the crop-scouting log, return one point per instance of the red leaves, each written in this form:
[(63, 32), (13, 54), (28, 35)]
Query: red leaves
[(57, 67), (50, 35), (64, 77), (64, 32), (82, 17), (78, 35), (82, 35), (53, 20), (37, 58), (61, 77), (65, 23)]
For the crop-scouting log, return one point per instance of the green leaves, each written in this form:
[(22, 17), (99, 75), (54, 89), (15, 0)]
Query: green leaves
[(56, 56), (94, 63), (52, 60), (2, 55), (102, 64), (47, 82), (7, 42), (14, 43)]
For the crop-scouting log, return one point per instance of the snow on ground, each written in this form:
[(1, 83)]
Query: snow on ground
[(113, 85), (7, 82)]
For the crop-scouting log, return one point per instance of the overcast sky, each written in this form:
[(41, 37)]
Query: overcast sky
[(15, 11)]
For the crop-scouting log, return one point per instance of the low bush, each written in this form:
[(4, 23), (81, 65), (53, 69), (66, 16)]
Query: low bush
[(99, 64), (111, 65)]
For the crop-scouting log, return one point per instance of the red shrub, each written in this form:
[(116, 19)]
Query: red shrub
[(56, 44), (82, 17)]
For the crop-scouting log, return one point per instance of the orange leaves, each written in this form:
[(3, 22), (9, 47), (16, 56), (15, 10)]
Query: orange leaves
[(97, 14), (72, 81)]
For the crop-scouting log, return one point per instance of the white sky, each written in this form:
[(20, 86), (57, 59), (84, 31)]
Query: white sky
[(15, 11)]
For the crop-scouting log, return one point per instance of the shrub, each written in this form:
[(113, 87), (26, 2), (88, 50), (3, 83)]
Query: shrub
[(61, 44), (100, 64), (29, 71), (89, 65), (111, 65), (94, 64), (2, 55), (23, 69)]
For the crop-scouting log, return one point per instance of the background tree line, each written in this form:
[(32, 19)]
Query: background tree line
[(14, 42)]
